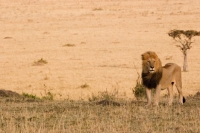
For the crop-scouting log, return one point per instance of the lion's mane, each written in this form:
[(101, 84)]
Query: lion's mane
[(151, 80)]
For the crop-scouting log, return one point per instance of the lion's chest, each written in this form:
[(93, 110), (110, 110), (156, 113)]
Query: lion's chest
[(151, 80)]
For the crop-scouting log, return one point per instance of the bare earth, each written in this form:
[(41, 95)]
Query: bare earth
[(91, 45)]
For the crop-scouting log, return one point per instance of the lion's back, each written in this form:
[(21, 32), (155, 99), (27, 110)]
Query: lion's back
[(171, 74)]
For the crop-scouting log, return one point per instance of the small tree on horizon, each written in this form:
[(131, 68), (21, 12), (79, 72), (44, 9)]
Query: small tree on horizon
[(185, 40)]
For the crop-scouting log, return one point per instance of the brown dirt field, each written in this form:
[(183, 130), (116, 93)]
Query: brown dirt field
[(92, 43)]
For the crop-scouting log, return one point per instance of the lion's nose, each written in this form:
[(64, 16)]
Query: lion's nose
[(152, 67)]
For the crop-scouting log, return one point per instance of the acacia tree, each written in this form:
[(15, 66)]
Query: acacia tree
[(185, 40)]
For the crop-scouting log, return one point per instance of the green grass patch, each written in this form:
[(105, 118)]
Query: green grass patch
[(31, 96)]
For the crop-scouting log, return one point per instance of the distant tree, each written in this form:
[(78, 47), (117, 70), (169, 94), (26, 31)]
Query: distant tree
[(185, 40)]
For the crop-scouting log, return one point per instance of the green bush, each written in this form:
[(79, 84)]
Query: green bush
[(31, 96), (139, 91)]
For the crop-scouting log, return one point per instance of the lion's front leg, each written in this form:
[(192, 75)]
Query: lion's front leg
[(157, 96), (148, 92)]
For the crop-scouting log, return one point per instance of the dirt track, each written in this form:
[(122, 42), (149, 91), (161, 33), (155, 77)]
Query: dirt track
[(93, 43)]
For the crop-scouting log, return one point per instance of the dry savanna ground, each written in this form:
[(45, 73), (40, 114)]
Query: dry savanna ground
[(29, 114), (72, 50)]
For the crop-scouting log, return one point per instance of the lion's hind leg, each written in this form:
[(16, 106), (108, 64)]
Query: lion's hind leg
[(170, 91), (181, 97), (179, 85)]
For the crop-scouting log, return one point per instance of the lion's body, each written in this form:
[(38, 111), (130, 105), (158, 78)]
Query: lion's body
[(158, 77)]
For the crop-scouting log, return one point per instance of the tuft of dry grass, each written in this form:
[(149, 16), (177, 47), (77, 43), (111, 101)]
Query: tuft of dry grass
[(40, 62), (84, 86), (97, 9), (19, 116), (69, 45), (7, 37)]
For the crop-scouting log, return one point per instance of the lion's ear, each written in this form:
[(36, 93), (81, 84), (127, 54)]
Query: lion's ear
[(153, 53), (142, 56), (145, 56)]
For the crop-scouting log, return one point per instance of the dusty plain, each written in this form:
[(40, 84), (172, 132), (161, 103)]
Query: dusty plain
[(91, 45)]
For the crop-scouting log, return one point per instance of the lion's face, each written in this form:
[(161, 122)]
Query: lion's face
[(150, 62)]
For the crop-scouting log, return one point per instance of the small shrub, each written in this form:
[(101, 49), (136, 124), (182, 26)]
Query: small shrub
[(139, 91)]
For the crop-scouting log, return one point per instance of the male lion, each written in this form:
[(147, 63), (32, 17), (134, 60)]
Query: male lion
[(156, 76)]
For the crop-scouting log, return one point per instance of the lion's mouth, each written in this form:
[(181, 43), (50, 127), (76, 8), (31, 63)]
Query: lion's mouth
[(151, 70)]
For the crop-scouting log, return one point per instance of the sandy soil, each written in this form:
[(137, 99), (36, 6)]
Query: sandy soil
[(107, 38)]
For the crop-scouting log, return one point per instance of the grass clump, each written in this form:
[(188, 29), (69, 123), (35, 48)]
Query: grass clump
[(69, 45), (40, 62), (105, 98), (84, 86), (48, 96), (102, 96), (97, 9)]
